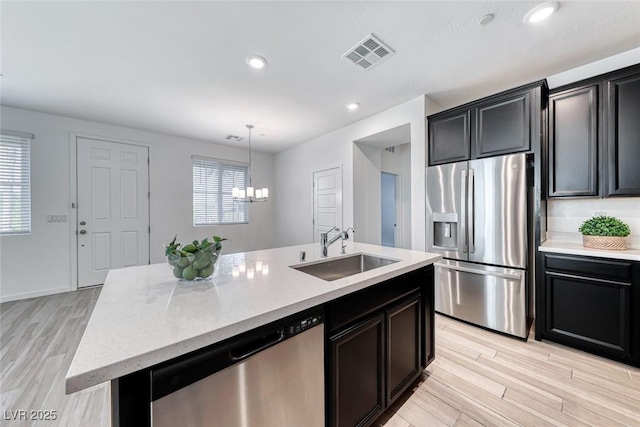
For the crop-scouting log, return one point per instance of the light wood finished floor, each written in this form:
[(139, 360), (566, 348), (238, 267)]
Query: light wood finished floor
[(37, 341), (482, 378), (478, 377)]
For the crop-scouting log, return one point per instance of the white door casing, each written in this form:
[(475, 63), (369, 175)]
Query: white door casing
[(389, 209), (113, 208), (327, 201)]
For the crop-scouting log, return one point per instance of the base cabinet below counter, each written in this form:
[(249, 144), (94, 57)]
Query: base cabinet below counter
[(357, 383), (592, 304), (376, 342)]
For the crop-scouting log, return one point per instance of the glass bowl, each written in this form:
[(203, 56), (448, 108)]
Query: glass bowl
[(189, 267)]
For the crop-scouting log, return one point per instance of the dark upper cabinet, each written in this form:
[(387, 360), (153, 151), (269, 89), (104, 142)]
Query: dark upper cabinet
[(623, 136), (449, 138), (594, 136), (502, 127), (573, 142), (499, 124)]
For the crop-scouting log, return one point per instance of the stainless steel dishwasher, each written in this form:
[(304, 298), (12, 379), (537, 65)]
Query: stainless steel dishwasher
[(271, 377)]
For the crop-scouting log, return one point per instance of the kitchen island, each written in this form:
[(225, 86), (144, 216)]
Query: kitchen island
[(144, 318)]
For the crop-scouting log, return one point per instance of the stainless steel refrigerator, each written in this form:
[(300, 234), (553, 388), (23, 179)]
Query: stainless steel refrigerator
[(477, 219)]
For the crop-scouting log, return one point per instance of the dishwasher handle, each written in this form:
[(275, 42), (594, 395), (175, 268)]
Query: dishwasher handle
[(257, 346)]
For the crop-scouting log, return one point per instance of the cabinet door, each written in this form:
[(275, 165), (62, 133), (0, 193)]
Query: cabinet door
[(502, 127), (623, 136), (357, 374), (591, 314), (573, 142), (403, 346), (449, 139)]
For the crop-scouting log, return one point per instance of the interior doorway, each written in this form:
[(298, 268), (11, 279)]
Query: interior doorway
[(384, 152), (389, 207), (113, 208)]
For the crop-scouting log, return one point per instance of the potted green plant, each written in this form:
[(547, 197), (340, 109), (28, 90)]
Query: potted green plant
[(604, 232), (194, 261)]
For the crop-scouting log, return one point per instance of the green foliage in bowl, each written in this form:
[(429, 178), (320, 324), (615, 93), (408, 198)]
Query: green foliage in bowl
[(194, 261), (605, 226)]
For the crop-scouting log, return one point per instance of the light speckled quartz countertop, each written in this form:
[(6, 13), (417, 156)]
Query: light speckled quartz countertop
[(575, 248), (144, 317)]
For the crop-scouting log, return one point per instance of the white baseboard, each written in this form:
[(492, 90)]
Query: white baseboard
[(34, 294)]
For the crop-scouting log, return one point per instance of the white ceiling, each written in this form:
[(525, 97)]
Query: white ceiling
[(179, 67)]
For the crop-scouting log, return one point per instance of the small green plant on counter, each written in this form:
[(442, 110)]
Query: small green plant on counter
[(193, 260), (604, 226)]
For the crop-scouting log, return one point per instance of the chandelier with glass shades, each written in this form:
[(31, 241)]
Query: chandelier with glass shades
[(250, 194)]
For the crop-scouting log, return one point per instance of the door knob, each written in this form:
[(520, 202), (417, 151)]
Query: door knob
[(83, 223), (83, 231)]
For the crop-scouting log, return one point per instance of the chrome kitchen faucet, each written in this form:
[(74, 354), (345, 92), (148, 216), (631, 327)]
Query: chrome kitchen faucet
[(325, 242)]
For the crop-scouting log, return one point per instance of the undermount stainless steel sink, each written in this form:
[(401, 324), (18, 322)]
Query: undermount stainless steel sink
[(338, 268)]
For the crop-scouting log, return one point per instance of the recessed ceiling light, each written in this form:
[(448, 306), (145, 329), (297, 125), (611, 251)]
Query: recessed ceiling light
[(352, 106), (256, 61), (541, 12)]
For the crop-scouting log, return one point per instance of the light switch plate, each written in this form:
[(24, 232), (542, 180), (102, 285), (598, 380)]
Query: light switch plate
[(56, 218)]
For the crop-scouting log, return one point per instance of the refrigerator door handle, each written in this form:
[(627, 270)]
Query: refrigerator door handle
[(472, 211), (514, 276), (463, 238)]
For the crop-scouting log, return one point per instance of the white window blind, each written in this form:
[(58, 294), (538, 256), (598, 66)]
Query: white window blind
[(15, 183), (213, 181)]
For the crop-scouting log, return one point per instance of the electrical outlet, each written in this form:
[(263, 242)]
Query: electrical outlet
[(600, 213)]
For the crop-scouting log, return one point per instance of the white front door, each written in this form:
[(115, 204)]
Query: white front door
[(327, 201), (113, 208)]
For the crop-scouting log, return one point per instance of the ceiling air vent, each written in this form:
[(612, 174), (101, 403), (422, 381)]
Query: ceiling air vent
[(234, 138), (368, 52)]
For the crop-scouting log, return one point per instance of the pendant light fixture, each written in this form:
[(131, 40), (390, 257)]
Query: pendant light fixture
[(250, 194)]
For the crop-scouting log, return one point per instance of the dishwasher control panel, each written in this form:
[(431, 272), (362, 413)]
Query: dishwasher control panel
[(302, 325)]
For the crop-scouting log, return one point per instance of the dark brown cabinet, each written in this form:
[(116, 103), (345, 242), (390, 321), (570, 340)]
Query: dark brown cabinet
[(594, 136), (377, 340), (358, 358), (573, 142), (449, 138), (623, 139), (499, 124), (589, 304), (403, 347), (502, 127)]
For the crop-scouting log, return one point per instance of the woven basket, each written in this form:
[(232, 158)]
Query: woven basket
[(604, 242)]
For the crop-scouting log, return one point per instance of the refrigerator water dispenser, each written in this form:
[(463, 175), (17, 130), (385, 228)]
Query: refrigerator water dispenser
[(445, 230)]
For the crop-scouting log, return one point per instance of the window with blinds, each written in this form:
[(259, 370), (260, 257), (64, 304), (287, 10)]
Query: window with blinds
[(15, 183), (213, 181)]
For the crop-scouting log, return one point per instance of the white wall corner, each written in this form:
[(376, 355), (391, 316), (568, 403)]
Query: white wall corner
[(431, 106)]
